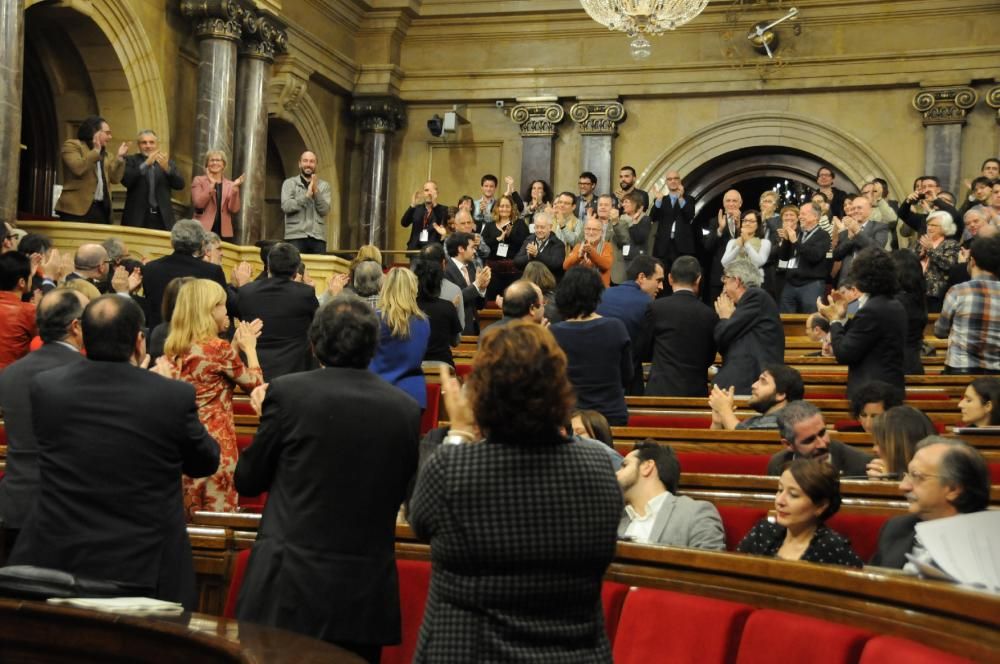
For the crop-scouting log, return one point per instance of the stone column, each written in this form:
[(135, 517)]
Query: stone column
[(944, 111), (993, 101), (379, 118), (262, 39), (598, 123), (538, 119), (11, 72), (218, 29)]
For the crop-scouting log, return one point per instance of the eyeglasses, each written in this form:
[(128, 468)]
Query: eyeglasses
[(916, 477)]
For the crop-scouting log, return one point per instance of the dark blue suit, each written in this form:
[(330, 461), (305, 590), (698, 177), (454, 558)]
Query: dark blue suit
[(628, 304)]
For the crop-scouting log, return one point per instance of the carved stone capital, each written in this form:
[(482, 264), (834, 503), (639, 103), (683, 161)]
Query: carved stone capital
[(993, 100), (215, 19), (381, 115), (945, 105), (263, 36), (598, 117), (538, 119)]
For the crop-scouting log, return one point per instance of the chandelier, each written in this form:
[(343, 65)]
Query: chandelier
[(637, 18)]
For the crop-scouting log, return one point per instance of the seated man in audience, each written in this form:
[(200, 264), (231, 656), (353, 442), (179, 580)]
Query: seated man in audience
[(777, 386), (804, 435), (970, 315), (109, 468), (946, 477), (871, 400), (542, 245), (17, 318), (286, 309), (58, 320), (818, 330), (10, 238), (323, 562), (187, 238), (749, 334), (677, 335), (91, 262), (523, 300), (654, 513)]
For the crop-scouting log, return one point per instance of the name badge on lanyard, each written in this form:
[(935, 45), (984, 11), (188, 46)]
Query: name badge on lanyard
[(424, 235), (502, 249)]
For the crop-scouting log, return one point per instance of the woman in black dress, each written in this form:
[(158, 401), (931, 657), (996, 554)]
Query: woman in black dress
[(446, 331)]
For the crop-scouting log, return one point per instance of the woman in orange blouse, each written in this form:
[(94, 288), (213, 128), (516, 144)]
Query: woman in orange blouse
[(593, 251)]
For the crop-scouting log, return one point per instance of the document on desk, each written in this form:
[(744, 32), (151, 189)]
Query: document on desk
[(966, 547), (135, 606)]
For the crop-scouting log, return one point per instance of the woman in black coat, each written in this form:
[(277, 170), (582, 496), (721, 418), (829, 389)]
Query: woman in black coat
[(912, 295)]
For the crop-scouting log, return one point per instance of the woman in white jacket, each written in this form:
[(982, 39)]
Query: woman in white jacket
[(751, 244)]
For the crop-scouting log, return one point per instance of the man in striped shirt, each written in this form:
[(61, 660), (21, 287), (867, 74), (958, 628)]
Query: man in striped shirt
[(970, 316)]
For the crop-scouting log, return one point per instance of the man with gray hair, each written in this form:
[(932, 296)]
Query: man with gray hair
[(749, 334), (804, 435), (187, 238), (804, 251), (946, 477), (149, 177), (542, 245), (368, 278)]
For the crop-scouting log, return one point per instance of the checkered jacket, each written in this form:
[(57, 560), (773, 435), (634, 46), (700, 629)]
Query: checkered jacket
[(970, 319)]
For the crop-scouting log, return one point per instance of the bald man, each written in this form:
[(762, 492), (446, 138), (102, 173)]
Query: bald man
[(673, 215), (423, 215), (305, 200), (91, 262), (725, 229)]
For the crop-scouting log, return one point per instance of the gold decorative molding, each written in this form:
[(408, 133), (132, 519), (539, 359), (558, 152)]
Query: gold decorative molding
[(215, 19), (381, 115), (992, 100), (945, 105), (263, 36), (538, 118), (598, 118)]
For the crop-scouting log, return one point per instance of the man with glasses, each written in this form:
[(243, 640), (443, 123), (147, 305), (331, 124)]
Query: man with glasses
[(946, 477), (804, 435), (587, 199), (91, 262)]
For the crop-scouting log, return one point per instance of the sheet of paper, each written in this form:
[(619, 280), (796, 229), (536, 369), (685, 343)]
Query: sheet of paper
[(130, 605), (966, 547)]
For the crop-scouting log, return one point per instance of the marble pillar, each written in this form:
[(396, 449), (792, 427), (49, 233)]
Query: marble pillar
[(598, 124), (218, 27), (262, 39), (11, 73), (993, 101), (378, 118), (943, 111), (538, 119)]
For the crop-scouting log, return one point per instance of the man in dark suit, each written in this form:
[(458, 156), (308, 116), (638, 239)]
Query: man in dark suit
[(629, 302), (803, 251), (859, 233), (58, 318), (872, 343), (946, 477), (186, 237), (323, 563), (543, 246), (749, 333), (149, 176), (286, 308), (426, 218), (109, 468), (715, 242), (804, 435), (460, 269), (673, 215)]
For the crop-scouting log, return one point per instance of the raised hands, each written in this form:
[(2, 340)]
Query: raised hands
[(724, 306)]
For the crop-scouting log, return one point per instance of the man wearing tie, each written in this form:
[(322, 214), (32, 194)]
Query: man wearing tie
[(808, 267), (460, 269), (715, 242), (673, 215), (149, 177)]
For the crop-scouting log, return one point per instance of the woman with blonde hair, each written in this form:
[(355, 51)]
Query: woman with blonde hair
[(216, 199), (195, 354), (403, 335)]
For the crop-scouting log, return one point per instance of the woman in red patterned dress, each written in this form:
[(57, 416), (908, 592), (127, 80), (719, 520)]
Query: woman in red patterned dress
[(195, 354)]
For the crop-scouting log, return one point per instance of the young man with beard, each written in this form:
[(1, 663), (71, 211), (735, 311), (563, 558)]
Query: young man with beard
[(804, 435), (777, 386), (305, 200)]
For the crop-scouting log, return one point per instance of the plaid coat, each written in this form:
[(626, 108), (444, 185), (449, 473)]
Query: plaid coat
[(521, 536)]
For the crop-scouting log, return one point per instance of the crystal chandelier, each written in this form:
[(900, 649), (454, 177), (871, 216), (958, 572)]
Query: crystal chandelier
[(637, 18)]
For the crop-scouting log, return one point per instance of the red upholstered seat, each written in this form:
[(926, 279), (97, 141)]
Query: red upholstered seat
[(463, 370), (810, 396), (670, 421), (723, 464), (241, 407), (737, 522), (776, 636), (861, 529), (235, 581), (612, 597), (414, 583), (3, 435), (663, 626), (848, 425), (994, 472), (883, 649), (249, 503), (429, 419)]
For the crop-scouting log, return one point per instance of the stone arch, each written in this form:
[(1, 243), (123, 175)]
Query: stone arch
[(845, 152)]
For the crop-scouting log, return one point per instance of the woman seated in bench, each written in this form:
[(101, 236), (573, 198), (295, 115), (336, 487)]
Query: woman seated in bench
[(896, 434), (980, 405), (808, 495)]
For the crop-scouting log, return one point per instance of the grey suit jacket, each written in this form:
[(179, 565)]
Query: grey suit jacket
[(873, 234), (682, 521)]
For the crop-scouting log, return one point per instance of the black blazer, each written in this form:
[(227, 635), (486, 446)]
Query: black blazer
[(749, 340), (137, 196), (471, 298), (552, 255), (715, 247), (811, 261), (109, 468), (286, 308), (895, 540), (681, 219), (847, 460), (323, 563), (678, 335), (915, 306), (414, 218), (157, 274), (871, 344), (19, 486)]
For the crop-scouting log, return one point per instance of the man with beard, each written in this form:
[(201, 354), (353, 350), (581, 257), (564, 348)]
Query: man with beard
[(305, 200), (804, 434), (777, 386), (626, 183)]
